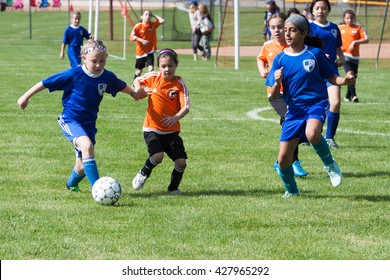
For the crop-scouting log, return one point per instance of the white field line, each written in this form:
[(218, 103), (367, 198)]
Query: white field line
[(254, 114)]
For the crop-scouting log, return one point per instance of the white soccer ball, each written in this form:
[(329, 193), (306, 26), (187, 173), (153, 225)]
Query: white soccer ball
[(106, 191)]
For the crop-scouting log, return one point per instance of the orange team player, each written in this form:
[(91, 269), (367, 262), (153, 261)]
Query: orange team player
[(168, 102), (144, 34), (264, 62), (352, 36)]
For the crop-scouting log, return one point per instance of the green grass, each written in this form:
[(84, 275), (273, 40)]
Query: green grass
[(231, 207)]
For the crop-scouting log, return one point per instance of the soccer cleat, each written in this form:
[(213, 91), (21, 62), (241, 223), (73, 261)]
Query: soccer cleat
[(73, 189), (290, 195), (355, 99), (176, 192), (298, 170), (276, 167), (332, 144), (307, 144), (347, 99), (139, 181), (334, 173)]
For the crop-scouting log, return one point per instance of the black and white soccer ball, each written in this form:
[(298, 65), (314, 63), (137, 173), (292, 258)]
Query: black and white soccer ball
[(106, 191)]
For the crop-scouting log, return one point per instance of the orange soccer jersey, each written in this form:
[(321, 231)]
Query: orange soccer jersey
[(350, 34), (167, 99), (146, 32), (267, 54)]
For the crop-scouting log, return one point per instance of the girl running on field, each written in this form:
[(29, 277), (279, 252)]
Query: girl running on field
[(168, 102), (302, 70)]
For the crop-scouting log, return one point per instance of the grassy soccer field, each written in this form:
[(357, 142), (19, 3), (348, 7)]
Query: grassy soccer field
[(231, 207)]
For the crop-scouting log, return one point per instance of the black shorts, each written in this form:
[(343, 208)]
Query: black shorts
[(171, 144), (140, 63), (351, 65)]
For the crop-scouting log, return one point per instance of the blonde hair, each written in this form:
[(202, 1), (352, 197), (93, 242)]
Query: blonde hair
[(92, 45)]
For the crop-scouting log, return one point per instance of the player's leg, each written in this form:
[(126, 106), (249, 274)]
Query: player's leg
[(83, 144), (334, 96), (280, 108), (77, 174), (355, 66), (286, 172), (150, 62), (86, 146), (139, 65), (156, 155), (347, 69), (174, 147), (320, 145)]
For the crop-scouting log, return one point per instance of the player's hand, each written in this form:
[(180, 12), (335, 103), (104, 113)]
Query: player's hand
[(264, 73), (168, 121), (350, 80), (278, 75), (22, 103)]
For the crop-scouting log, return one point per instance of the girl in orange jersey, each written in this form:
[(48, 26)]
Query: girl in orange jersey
[(145, 35), (352, 36), (168, 102), (264, 62)]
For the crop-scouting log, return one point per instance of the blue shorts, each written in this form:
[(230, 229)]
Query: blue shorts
[(73, 130), (74, 56), (294, 125)]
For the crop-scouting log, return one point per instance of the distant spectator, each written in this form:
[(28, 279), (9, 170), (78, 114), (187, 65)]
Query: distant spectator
[(195, 17)]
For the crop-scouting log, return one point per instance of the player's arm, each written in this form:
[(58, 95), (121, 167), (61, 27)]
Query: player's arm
[(340, 81), (62, 53), (131, 92), (23, 100), (160, 19), (275, 89), (139, 91), (135, 37), (340, 57), (171, 120), (364, 40), (262, 66)]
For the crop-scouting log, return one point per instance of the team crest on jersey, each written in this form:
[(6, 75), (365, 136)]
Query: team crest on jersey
[(102, 88), (173, 93), (334, 32), (308, 65)]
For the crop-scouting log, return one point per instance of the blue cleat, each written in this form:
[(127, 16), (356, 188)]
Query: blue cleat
[(276, 166), (298, 170)]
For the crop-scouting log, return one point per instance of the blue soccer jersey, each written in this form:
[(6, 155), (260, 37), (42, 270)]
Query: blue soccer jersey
[(73, 37), (304, 76), (330, 35), (83, 91)]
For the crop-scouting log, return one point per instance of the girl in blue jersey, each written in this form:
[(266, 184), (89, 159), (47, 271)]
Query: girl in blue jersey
[(331, 36), (83, 90), (73, 37), (302, 70)]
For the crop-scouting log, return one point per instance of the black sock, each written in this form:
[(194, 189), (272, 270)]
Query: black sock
[(148, 167), (177, 175)]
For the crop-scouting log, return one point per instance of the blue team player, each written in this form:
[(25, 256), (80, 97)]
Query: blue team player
[(302, 70), (83, 89), (330, 34), (73, 37)]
